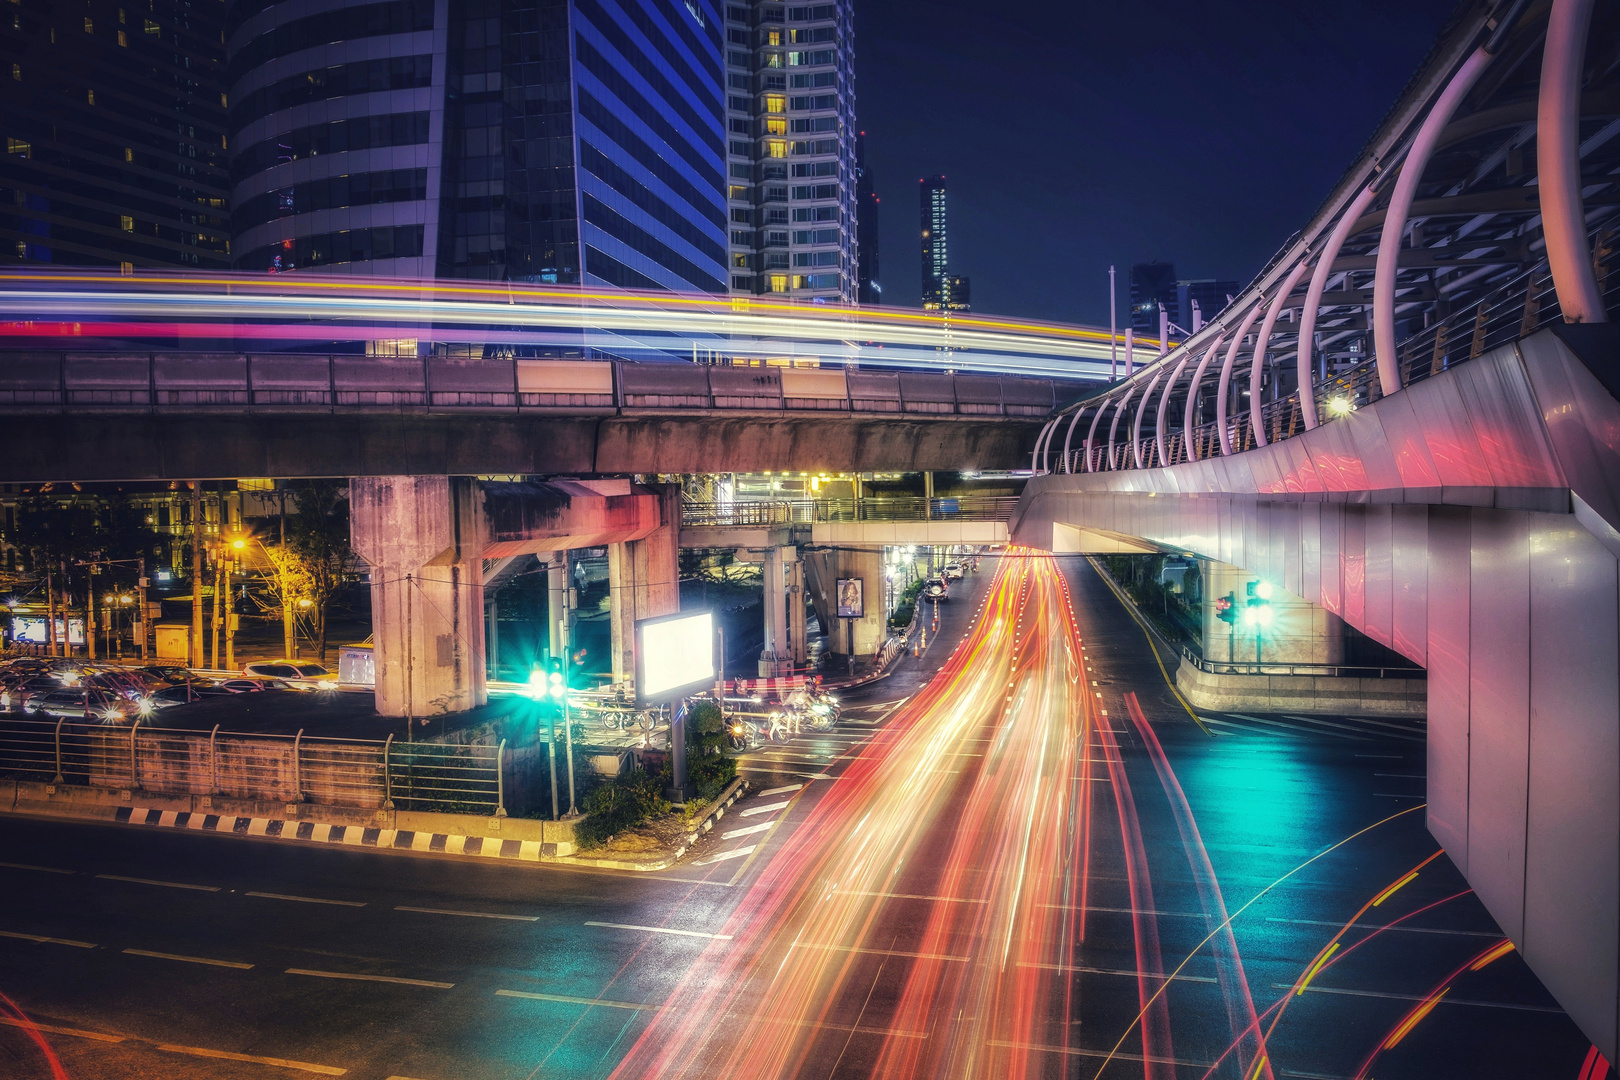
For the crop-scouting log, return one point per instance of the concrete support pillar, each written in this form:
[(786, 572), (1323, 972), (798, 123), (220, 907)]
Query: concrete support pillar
[(1299, 632), (644, 581), (492, 636), (796, 617), (557, 605), (777, 654), (421, 536)]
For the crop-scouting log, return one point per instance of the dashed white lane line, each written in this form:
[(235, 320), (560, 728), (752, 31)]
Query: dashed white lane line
[(188, 959), (566, 1000), (306, 899), (734, 833), (769, 808), (471, 914), (38, 940), (226, 1055), (98, 1036), (880, 952), (370, 978), (724, 855), (164, 884), (41, 869), (660, 930), (796, 787)]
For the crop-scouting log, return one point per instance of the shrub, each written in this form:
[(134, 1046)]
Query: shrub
[(620, 804)]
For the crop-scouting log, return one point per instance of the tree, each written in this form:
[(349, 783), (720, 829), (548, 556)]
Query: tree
[(318, 538)]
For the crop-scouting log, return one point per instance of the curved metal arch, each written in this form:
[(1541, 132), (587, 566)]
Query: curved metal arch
[(1257, 367), (1226, 373), (1141, 407), (1091, 435), (1036, 462), (1113, 428), (1400, 205), (1313, 300), (1192, 394), (1078, 413), (1160, 422), (1558, 163)]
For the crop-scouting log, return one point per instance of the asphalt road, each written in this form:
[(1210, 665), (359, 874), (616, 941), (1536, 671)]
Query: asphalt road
[(949, 885)]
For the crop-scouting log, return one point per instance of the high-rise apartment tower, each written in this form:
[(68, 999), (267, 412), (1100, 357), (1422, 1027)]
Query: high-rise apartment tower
[(1153, 284), (790, 118), (941, 290), (869, 289)]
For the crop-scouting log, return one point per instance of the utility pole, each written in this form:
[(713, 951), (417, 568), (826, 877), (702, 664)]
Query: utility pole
[(1113, 330), (196, 574), (50, 614), (219, 567), (90, 610), (140, 612), (289, 648), (230, 616)]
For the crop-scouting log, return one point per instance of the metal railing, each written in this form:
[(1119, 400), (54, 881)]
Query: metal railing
[(812, 511), (736, 514), (272, 768), (1338, 671)]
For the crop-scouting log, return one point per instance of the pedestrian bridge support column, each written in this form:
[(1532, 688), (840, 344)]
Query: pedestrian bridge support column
[(422, 538), (644, 581), (777, 656)]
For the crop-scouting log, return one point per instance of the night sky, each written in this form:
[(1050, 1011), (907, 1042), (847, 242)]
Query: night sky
[(1074, 135)]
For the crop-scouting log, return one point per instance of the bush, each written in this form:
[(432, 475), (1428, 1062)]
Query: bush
[(620, 804), (710, 775), (707, 768)]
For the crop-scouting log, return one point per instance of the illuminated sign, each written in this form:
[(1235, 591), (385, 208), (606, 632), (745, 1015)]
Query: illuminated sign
[(674, 656), (851, 598)]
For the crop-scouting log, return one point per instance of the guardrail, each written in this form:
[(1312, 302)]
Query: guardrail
[(1339, 671), (272, 768), (286, 382), (813, 511)]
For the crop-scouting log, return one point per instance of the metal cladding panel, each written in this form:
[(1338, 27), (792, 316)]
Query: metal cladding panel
[(1372, 445), (376, 373), (1353, 566), (1380, 574), (31, 371), (923, 386), (200, 371), (1407, 443), (1023, 391), (1299, 475), (1572, 865), (1449, 432), (824, 383), (1507, 423), (1499, 713), (310, 374), (1288, 517), (1266, 469), (450, 375), (1450, 530), (1333, 451), (664, 380), (981, 390), (1409, 571), (743, 382), (1583, 422), (1310, 550), (104, 373), (874, 386)]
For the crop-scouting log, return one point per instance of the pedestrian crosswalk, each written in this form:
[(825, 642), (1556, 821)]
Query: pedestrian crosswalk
[(1289, 726)]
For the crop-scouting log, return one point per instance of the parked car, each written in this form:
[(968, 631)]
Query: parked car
[(172, 673), (18, 696), (252, 686), (296, 674), (79, 703), (170, 696), (953, 571)]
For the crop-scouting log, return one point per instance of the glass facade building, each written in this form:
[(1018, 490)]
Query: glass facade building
[(868, 284), (554, 141), (790, 118), (115, 134), (1153, 284), (941, 290)]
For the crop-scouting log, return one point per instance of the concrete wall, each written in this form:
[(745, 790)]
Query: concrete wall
[(644, 580), (1315, 695), (1299, 632)]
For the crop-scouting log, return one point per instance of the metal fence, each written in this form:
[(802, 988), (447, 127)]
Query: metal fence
[(1341, 671), (271, 768), (813, 511)]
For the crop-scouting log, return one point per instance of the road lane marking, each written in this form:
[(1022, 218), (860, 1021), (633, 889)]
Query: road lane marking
[(660, 930), (306, 899), (1114, 971), (911, 896), (566, 1000), (226, 1055), (724, 855), (781, 790), (879, 952), (749, 831), (29, 1025), (1416, 997), (37, 940), (369, 978), (188, 959), (470, 914), (41, 869), (768, 809), (164, 884), (1407, 929)]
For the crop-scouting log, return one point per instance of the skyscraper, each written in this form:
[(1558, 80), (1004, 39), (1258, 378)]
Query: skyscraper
[(941, 290), (790, 118), (868, 288), (526, 140), (114, 125), (1153, 284), (1210, 294)]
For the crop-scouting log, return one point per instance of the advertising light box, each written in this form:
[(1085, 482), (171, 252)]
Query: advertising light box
[(674, 656)]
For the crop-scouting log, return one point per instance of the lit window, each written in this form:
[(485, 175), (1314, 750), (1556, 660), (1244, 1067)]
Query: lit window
[(779, 283), (17, 146), (773, 37), (123, 40), (151, 27), (129, 153), (776, 125), (778, 148), (126, 223), (89, 27), (121, 17), (16, 72), (773, 59), (90, 96), (126, 269), (739, 259), (774, 103)]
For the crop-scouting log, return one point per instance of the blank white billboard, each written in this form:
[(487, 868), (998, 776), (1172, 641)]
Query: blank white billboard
[(674, 655)]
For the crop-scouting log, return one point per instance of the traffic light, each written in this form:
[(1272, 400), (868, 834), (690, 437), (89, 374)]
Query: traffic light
[(1226, 608), (1259, 604)]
